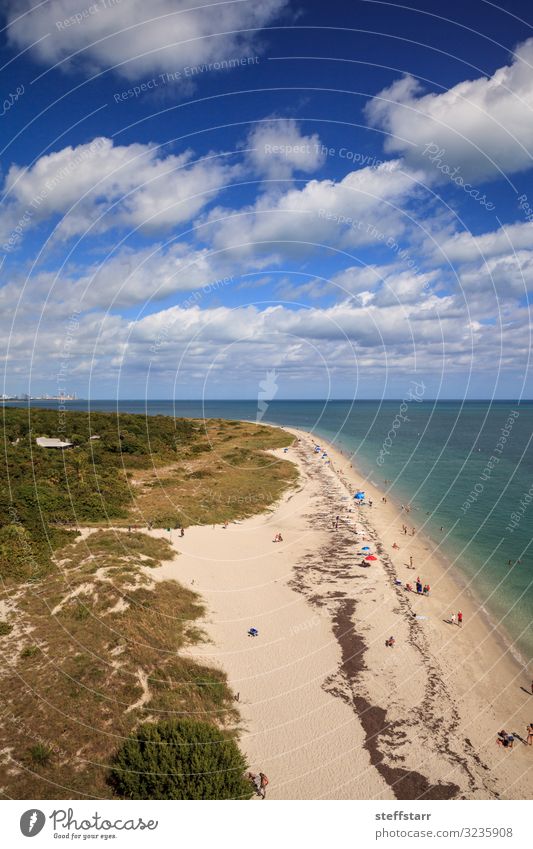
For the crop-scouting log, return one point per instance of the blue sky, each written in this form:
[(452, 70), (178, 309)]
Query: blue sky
[(196, 195)]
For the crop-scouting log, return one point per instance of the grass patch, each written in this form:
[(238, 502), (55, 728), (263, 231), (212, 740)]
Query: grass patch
[(232, 477), (30, 651), (95, 675), (40, 755)]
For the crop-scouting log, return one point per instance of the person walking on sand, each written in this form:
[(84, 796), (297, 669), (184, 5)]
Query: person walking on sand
[(452, 618), (460, 619), (263, 784), (529, 732), (411, 561)]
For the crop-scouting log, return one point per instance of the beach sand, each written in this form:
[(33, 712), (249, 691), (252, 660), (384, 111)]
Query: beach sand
[(328, 711)]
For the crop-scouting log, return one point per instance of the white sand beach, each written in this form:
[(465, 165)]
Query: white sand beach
[(328, 711)]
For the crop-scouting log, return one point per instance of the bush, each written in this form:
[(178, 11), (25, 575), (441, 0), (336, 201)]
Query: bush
[(40, 754), (16, 556), (180, 759), (30, 651)]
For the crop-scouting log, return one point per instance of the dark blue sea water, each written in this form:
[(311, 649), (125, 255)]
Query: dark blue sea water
[(437, 457)]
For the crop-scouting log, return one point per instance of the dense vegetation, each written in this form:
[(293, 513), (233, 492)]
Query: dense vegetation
[(44, 492), (180, 759), (124, 469)]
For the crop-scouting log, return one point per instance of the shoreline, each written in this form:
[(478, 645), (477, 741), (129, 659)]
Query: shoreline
[(327, 710), (450, 571), (485, 654), (448, 567)]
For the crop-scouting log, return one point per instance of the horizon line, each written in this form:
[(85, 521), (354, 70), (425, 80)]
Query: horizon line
[(273, 401)]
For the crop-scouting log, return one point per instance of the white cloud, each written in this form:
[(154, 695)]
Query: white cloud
[(465, 246), (362, 208), (278, 149), (509, 276), (140, 38), (217, 346), (132, 186), (150, 274), (482, 125)]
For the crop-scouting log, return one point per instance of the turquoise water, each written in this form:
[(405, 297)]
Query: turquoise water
[(438, 460)]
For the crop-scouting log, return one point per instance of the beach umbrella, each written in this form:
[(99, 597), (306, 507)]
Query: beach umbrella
[(370, 557), (365, 548)]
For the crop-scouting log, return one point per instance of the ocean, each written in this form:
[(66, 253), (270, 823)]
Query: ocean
[(464, 466)]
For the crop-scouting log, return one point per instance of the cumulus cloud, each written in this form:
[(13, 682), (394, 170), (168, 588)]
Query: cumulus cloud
[(134, 186), (384, 285), (277, 149), (135, 37), (483, 126), (150, 274), (509, 276), (362, 208), (385, 333), (465, 246)]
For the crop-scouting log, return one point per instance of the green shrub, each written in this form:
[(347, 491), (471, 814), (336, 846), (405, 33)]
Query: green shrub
[(16, 556), (40, 754), (180, 759), (30, 651), (5, 628)]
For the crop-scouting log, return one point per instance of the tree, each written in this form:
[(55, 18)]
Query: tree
[(180, 759)]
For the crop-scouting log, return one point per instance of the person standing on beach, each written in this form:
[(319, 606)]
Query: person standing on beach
[(452, 618), (256, 781), (529, 732), (411, 561), (460, 619)]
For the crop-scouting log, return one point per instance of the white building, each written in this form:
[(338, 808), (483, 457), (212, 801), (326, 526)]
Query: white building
[(48, 442)]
